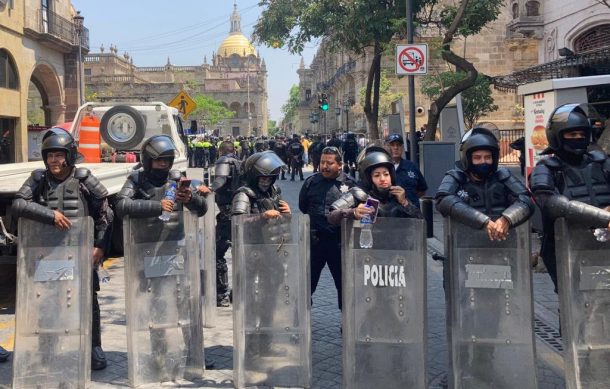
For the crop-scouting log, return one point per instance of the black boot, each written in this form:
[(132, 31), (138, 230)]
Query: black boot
[(98, 358), (3, 354)]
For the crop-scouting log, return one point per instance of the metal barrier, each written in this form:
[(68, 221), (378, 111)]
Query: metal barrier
[(509, 156)]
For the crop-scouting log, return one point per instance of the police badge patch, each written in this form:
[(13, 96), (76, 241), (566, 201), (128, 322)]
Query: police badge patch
[(411, 174), (344, 188)]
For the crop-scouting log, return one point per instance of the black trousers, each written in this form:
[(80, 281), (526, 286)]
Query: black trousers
[(223, 243), (96, 330), (326, 251)]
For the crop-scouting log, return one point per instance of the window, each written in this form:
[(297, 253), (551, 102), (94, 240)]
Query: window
[(8, 71), (532, 8), (87, 72), (515, 10), (595, 38)]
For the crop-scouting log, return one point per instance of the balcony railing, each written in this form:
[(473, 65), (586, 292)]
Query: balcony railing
[(48, 22)]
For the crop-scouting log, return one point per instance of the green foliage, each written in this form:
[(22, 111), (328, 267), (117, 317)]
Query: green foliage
[(210, 111), (386, 96), (477, 100), (292, 105), (478, 13)]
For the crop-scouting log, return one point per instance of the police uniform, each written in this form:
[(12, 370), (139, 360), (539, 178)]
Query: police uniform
[(315, 199), (81, 194)]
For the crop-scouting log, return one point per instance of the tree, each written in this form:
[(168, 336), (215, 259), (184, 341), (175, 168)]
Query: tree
[(477, 100), (210, 111), (386, 96), (466, 20), (359, 26), (604, 2), (292, 105)]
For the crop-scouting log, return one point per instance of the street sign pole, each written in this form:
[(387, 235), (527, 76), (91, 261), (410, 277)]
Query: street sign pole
[(411, 90)]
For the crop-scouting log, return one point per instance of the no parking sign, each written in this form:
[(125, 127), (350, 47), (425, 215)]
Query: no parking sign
[(412, 59)]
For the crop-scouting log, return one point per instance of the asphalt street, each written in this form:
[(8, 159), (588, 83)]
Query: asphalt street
[(326, 324)]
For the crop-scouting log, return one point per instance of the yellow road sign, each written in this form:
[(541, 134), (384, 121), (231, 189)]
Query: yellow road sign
[(184, 103)]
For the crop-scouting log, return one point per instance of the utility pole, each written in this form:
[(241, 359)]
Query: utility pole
[(411, 89)]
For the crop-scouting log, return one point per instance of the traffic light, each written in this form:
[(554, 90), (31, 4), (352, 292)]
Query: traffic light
[(323, 102)]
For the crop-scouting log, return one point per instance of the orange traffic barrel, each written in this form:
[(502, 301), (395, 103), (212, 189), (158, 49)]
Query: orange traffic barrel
[(89, 141)]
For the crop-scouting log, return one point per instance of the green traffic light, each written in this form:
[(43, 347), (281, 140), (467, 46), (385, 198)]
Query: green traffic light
[(324, 107)]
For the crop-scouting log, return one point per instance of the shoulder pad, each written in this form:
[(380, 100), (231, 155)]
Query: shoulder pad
[(81, 173), (134, 176), (249, 192), (502, 174), (458, 174), (223, 159), (38, 174), (359, 194), (598, 156), (94, 185), (551, 162)]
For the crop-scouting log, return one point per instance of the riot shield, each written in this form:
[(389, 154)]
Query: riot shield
[(271, 302), (490, 309), (384, 305), (53, 311), (583, 266), (207, 262), (162, 293)]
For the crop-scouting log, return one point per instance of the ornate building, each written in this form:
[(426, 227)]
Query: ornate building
[(236, 76), (342, 76), (39, 47)]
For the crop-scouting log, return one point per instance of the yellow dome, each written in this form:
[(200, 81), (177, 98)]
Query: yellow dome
[(236, 43)]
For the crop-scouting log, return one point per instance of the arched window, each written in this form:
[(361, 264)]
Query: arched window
[(532, 8), (8, 71), (515, 10), (594, 38)]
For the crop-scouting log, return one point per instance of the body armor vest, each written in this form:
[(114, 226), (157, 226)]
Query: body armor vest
[(587, 183), (264, 202), (64, 196), (489, 197)]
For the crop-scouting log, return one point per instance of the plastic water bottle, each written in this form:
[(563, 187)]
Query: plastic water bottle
[(366, 233), (170, 194)]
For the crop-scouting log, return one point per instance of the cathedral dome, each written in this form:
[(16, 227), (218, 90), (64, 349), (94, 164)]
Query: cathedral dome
[(236, 43)]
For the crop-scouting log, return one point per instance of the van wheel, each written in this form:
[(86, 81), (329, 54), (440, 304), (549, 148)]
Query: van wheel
[(123, 127)]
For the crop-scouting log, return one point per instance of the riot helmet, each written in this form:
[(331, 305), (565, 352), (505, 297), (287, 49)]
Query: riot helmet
[(157, 147), (370, 158), (262, 164), (58, 139), (479, 139), (565, 118)]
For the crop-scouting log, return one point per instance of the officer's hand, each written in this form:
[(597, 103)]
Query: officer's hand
[(184, 195), (167, 205), (399, 193), (204, 190), (61, 221), (490, 228), (98, 256), (362, 210), (284, 207), (501, 228), (271, 214)]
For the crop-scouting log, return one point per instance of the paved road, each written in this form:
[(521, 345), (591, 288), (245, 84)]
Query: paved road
[(325, 333)]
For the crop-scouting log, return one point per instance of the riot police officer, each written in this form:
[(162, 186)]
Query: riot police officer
[(280, 150), (350, 151), (226, 182), (317, 194), (573, 183), (295, 155), (62, 191), (315, 153), (481, 195), (260, 195)]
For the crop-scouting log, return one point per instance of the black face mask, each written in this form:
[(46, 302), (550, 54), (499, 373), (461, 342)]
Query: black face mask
[(482, 170), (158, 177), (576, 146)]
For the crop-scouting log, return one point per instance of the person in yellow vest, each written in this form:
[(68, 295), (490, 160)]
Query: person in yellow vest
[(306, 143)]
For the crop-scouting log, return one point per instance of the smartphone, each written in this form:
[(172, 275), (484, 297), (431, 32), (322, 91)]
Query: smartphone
[(373, 203), (184, 183)]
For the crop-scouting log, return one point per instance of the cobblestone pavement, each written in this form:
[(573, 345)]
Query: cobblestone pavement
[(326, 335)]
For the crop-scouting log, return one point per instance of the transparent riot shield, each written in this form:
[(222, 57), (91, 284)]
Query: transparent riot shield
[(53, 310), (583, 269), (164, 325), (490, 309), (271, 302), (207, 262), (384, 305)]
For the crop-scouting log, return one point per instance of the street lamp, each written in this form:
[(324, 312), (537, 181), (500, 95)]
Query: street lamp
[(78, 30)]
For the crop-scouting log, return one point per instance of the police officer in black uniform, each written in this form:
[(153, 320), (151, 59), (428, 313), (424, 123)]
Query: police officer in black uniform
[(60, 192), (260, 195), (295, 154), (334, 141), (350, 151), (226, 181), (481, 195), (573, 183), (282, 152), (315, 153), (317, 194)]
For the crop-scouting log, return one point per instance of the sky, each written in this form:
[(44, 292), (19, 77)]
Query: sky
[(185, 31)]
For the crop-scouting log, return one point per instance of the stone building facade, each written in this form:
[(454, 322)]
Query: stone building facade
[(38, 56), (236, 76)]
